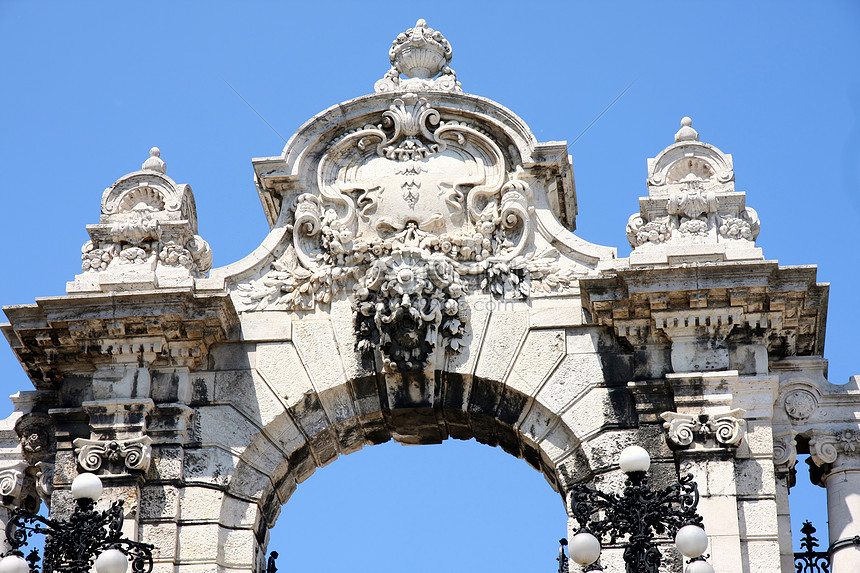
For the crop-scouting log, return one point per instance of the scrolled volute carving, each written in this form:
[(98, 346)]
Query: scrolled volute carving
[(410, 212), (45, 481), (823, 449), (784, 452), (726, 429), (134, 453), (11, 482)]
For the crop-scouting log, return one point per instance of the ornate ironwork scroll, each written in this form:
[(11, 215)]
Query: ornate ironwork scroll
[(636, 516), (72, 546)]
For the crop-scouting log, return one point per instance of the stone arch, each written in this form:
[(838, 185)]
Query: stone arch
[(545, 396)]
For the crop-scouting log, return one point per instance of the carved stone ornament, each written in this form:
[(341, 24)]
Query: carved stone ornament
[(410, 204), (134, 453), (784, 452), (421, 54), (11, 482), (148, 226), (825, 448), (799, 404), (726, 429), (692, 202), (45, 481), (413, 211), (36, 434)]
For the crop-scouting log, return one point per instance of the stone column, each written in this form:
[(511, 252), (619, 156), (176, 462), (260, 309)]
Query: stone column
[(838, 455)]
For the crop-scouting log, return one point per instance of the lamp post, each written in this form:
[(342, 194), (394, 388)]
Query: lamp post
[(638, 514), (88, 537)]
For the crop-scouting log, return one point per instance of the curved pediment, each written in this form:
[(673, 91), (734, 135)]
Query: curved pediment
[(404, 203)]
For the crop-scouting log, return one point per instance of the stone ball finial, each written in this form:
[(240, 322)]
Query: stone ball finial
[(686, 133), (155, 163), (420, 52)]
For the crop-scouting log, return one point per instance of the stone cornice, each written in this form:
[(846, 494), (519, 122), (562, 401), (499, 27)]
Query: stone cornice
[(784, 303), (78, 333)]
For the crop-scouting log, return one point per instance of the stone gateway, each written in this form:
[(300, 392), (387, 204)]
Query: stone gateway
[(422, 281)]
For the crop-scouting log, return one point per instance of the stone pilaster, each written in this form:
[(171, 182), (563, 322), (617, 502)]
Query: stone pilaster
[(703, 403)]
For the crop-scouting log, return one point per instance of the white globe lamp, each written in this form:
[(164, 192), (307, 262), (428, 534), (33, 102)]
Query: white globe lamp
[(584, 548), (691, 541), (699, 567), (14, 564), (112, 561), (87, 486), (634, 459)]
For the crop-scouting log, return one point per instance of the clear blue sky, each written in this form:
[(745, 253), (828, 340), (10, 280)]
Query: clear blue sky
[(88, 88)]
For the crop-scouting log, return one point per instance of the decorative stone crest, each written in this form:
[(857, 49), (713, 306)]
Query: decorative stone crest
[(692, 211), (726, 429), (414, 210), (146, 235), (133, 453), (421, 54)]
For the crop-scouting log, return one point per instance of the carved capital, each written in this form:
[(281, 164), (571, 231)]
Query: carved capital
[(784, 453), (135, 453), (723, 430), (836, 451), (16, 487)]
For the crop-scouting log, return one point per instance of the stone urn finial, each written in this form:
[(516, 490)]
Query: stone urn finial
[(422, 55), (420, 52)]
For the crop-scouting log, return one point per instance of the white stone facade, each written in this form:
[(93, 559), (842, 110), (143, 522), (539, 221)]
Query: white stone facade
[(422, 281)]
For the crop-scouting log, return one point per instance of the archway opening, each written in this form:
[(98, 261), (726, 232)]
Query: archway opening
[(455, 506)]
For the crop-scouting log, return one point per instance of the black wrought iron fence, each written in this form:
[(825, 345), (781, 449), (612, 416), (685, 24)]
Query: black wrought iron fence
[(809, 560)]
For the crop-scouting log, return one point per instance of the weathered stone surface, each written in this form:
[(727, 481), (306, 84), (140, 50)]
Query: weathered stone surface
[(541, 351), (505, 333), (421, 282)]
